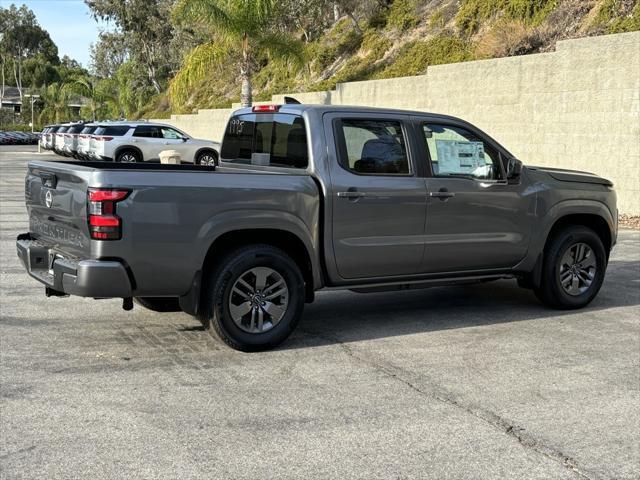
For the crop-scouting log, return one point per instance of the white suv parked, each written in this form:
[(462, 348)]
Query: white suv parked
[(143, 141)]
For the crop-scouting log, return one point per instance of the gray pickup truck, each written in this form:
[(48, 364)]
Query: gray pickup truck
[(310, 197)]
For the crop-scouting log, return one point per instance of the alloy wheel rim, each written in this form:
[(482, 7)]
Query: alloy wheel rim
[(127, 158), (258, 300), (577, 269), (207, 160)]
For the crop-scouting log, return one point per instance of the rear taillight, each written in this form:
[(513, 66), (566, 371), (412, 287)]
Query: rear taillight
[(101, 138), (104, 224)]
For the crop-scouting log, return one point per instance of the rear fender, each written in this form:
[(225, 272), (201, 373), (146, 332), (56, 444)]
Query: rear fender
[(238, 220)]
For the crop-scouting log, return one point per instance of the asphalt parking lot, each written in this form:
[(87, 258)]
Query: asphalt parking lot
[(460, 382)]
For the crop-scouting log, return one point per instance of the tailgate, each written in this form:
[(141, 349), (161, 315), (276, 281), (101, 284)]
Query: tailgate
[(57, 205)]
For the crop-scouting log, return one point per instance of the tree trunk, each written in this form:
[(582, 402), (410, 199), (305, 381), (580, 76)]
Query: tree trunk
[(151, 68), (17, 75), (246, 94), (336, 12), (2, 85), (355, 23)]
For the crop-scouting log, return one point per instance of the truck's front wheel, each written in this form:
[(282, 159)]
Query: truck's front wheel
[(573, 269), (253, 298)]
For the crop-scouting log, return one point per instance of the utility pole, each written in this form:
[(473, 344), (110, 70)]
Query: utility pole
[(33, 100)]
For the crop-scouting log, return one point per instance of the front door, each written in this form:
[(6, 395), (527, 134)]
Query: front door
[(378, 199), (476, 219)]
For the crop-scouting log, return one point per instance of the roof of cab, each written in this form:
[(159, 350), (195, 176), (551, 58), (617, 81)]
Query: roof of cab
[(301, 108)]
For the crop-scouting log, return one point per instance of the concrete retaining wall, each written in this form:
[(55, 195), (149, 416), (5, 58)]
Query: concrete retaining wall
[(577, 107)]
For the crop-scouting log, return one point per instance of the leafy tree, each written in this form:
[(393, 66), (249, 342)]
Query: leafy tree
[(145, 25), (22, 38), (55, 100), (108, 55), (37, 72), (93, 92), (309, 17), (244, 25)]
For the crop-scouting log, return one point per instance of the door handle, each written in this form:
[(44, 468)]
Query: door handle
[(443, 194), (351, 194)]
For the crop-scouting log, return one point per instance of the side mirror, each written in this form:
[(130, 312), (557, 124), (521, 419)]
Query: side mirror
[(514, 169), (184, 139)]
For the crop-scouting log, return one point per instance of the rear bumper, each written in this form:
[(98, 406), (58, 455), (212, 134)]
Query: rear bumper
[(84, 278)]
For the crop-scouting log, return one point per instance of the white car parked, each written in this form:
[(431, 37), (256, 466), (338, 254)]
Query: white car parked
[(58, 139), (46, 136), (84, 140), (71, 137), (143, 141)]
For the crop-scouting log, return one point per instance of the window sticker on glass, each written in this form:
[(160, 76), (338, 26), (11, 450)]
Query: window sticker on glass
[(455, 156)]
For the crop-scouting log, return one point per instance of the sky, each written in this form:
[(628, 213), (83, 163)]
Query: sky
[(69, 24)]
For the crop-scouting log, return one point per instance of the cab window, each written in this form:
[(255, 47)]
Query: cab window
[(373, 147), (268, 139), (458, 152)]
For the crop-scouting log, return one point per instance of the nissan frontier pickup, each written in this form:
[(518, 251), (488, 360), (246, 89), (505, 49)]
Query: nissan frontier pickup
[(309, 197)]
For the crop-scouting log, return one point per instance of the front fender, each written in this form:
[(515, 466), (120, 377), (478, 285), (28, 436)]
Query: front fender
[(555, 213)]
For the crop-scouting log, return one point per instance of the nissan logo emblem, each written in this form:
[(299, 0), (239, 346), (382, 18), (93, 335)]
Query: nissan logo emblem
[(48, 199)]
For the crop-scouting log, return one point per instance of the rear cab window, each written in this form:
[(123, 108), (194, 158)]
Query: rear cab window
[(266, 139)]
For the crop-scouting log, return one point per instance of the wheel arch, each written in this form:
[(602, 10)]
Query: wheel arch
[(589, 213), (285, 240), (593, 221), (202, 150), (123, 148)]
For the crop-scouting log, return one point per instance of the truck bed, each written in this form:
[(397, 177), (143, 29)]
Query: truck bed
[(170, 218)]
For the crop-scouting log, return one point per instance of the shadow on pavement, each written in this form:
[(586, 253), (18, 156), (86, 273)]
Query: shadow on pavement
[(348, 317)]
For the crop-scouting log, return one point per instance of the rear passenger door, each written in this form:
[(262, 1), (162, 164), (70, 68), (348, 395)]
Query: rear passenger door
[(378, 196), (148, 138)]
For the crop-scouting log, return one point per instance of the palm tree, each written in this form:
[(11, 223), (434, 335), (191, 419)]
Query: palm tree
[(55, 98), (90, 89), (247, 24)]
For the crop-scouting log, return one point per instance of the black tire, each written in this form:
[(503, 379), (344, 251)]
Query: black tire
[(159, 304), (551, 292), (204, 155), (215, 314), (124, 156)]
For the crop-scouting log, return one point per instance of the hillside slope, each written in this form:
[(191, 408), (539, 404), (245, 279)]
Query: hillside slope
[(408, 36)]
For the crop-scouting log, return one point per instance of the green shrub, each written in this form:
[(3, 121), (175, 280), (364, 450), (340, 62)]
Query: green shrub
[(20, 127), (611, 17), (414, 57), (362, 65), (336, 45), (379, 19), (403, 15), (473, 12), (438, 19)]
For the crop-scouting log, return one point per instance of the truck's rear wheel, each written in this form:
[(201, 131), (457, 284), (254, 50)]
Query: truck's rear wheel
[(573, 270), (254, 298), (159, 304)]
